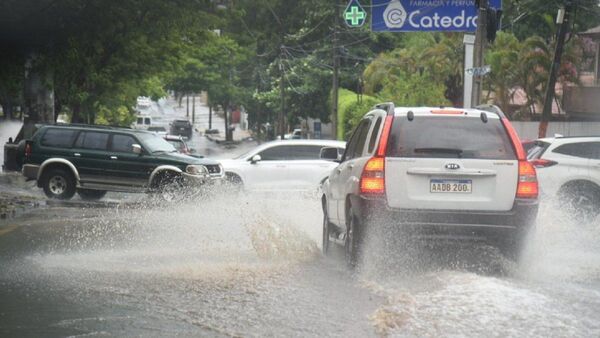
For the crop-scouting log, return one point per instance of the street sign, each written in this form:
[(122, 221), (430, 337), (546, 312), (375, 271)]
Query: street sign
[(426, 15), (354, 14), (479, 71)]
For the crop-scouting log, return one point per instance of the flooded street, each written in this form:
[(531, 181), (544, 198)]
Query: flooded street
[(251, 266)]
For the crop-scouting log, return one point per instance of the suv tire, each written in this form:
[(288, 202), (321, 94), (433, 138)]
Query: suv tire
[(91, 195), (353, 240), (326, 231), (58, 184), (582, 200), (169, 187)]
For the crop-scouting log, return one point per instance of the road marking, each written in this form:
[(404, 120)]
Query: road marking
[(8, 229)]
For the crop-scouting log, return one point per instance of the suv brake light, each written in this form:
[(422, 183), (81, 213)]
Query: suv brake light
[(372, 179), (541, 163), (28, 149), (527, 186)]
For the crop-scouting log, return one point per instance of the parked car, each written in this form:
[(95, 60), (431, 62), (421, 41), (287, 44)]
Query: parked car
[(288, 165), (181, 127), (569, 168), (159, 130), (92, 160), (179, 144), (433, 173)]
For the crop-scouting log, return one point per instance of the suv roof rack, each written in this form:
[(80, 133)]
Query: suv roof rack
[(387, 106), (491, 108), (97, 126)]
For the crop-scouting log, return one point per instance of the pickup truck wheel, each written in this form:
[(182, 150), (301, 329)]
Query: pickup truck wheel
[(91, 195), (326, 231), (353, 241), (58, 184)]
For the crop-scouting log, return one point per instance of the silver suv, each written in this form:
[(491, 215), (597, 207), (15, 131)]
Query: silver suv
[(433, 173)]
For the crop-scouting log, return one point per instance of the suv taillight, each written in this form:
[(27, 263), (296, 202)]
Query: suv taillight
[(372, 179), (528, 184), (28, 149), (541, 163)]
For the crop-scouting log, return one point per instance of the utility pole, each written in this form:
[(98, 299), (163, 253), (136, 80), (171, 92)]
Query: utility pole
[(187, 105), (479, 50), (336, 69), (209, 115), (562, 20), (193, 109), (281, 93)]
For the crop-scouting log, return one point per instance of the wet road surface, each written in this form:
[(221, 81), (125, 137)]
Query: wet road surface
[(251, 266)]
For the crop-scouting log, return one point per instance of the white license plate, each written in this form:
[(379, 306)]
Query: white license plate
[(450, 186)]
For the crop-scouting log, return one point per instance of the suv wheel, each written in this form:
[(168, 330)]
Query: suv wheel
[(353, 241), (91, 195), (59, 184), (326, 231), (582, 201), (170, 187)]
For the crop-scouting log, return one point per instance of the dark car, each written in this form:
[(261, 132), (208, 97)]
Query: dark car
[(432, 173), (181, 127), (92, 160)]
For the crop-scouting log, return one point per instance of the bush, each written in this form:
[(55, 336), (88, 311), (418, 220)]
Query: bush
[(350, 111)]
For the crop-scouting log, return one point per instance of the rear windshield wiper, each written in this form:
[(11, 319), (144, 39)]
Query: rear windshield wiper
[(439, 150)]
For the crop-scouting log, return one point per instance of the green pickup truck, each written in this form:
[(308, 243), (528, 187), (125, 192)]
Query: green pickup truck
[(92, 160)]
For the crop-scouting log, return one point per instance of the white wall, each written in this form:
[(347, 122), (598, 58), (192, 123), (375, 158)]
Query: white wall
[(529, 130)]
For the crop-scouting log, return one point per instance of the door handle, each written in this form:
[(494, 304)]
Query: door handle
[(77, 154), (113, 158)]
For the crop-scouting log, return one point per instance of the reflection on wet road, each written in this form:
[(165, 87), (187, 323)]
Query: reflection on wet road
[(251, 266)]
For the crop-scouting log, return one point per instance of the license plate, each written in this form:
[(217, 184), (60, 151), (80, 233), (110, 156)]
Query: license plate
[(181, 128), (450, 186)]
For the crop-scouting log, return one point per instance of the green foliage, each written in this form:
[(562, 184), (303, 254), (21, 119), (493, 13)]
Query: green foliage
[(425, 72), (351, 111)]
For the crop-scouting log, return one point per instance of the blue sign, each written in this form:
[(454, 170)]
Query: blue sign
[(426, 15)]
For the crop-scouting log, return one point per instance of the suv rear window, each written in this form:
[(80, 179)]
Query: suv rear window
[(60, 138), (449, 137)]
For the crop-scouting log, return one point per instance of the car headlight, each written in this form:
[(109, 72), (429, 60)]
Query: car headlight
[(195, 169)]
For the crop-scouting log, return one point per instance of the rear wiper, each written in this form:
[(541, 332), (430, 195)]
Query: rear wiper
[(439, 150)]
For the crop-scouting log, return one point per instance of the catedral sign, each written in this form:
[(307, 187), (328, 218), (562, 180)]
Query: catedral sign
[(426, 15)]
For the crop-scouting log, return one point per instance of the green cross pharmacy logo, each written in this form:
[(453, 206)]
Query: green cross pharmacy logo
[(355, 15)]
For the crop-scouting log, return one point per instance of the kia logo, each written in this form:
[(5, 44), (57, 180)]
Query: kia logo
[(452, 166)]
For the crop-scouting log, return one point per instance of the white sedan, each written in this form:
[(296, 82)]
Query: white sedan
[(288, 165)]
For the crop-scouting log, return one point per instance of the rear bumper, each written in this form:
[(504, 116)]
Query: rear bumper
[(30, 171), (449, 224)]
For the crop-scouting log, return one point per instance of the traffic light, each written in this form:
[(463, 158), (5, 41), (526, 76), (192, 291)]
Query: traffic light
[(493, 23)]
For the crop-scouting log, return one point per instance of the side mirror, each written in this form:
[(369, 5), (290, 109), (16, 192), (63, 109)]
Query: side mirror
[(329, 153), (255, 158), (136, 148)]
